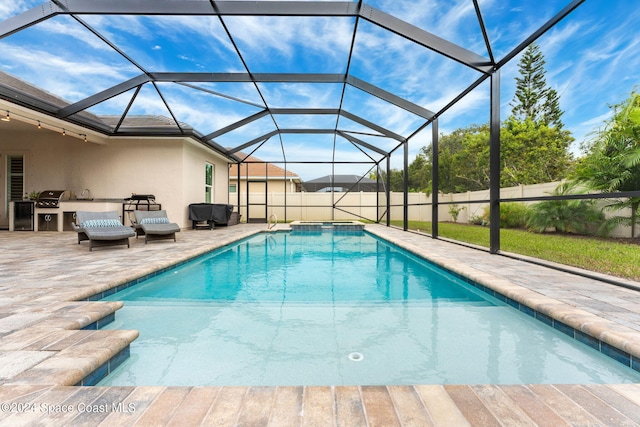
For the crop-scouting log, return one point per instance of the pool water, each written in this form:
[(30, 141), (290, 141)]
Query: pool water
[(324, 308)]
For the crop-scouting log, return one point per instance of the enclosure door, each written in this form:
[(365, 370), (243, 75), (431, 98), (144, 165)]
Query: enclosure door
[(257, 201)]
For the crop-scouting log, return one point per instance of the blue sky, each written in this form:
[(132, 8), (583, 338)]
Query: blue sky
[(592, 60)]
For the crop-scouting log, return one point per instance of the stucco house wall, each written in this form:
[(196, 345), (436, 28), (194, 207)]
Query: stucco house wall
[(172, 169)]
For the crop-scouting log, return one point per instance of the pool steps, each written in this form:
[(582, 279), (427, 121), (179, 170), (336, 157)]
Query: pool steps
[(319, 226), (68, 347)]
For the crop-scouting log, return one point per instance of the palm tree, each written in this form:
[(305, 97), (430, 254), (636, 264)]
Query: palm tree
[(613, 161), (566, 216)]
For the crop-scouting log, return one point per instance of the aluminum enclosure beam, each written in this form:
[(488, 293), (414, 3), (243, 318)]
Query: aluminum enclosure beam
[(373, 126), (426, 39), (249, 77), (435, 178), (236, 125), (102, 96), (253, 142), (28, 18), (540, 31), (389, 97), (201, 8), (494, 164), (283, 111), (360, 142), (249, 8), (344, 134), (244, 78)]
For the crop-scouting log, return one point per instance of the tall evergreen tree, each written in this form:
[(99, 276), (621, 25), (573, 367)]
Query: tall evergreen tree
[(533, 99), (534, 145)]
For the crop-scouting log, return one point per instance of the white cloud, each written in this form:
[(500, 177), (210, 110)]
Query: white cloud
[(113, 27), (597, 121), (61, 75), (262, 37), (70, 28), (9, 8), (551, 44), (301, 95), (597, 66)]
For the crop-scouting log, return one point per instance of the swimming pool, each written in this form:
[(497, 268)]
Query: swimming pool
[(324, 308)]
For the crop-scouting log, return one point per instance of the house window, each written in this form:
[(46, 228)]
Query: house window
[(15, 180), (208, 183), (15, 177), (232, 188)]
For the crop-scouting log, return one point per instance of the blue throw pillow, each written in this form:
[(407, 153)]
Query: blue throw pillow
[(93, 223), (160, 220)]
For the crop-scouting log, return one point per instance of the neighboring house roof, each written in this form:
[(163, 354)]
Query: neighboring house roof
[(258, 169), (341, 182)]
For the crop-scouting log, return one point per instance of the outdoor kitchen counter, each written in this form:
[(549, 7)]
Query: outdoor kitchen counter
[(60, 218)]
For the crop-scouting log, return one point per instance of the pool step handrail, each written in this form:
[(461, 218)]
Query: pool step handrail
[(272, 225)]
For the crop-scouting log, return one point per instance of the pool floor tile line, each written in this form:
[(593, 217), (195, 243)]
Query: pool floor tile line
[(46, 274)]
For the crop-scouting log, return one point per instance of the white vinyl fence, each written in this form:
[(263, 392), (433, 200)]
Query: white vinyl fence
[(363, 205)]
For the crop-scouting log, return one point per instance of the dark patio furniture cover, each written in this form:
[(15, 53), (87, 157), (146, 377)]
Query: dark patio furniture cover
[(218, 213)]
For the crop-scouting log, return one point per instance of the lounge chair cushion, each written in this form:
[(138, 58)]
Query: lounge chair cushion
[(109, 233), (101, 223), (167, 228), (151, 220)]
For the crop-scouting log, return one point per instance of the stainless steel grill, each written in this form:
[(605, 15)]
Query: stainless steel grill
[(51, 198), (145, 198)]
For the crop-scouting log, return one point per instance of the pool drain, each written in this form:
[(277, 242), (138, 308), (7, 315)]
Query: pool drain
[(356, 357)]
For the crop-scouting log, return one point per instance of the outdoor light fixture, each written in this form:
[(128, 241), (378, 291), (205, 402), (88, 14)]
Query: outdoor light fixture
[(42, 125)]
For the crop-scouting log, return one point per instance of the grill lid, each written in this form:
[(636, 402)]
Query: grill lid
[(146, 197), (50, 198)]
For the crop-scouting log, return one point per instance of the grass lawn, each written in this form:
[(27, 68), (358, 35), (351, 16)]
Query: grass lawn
[(611, 256)]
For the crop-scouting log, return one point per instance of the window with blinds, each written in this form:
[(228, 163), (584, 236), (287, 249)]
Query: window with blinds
[(15, 177)]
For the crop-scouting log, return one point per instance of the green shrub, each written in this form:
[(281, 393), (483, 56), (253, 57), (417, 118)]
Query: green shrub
[(478, 220), (512, 215), (566, 216), (454, 211)]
